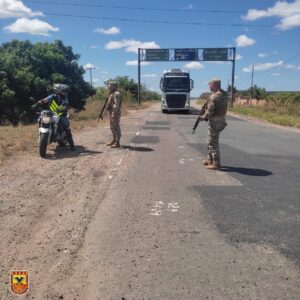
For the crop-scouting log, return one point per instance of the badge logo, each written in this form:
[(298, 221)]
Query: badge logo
[(19, 282)]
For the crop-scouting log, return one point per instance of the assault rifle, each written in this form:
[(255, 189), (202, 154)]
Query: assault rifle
[(102, 110), (202, 112)]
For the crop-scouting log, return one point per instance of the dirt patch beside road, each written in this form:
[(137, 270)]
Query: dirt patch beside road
[(46, 206)]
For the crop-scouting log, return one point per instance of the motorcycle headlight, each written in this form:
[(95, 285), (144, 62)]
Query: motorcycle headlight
[(46, 119)]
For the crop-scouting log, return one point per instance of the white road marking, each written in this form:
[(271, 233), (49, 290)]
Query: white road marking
[(55, 266), (158, 204), (155, 212), (119, 162), (138, 133), (159, 207), (173, 206), (110, 177), (181, 161), (181, 147)]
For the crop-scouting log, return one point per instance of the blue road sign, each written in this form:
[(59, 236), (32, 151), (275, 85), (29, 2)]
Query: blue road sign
[(186, 54)]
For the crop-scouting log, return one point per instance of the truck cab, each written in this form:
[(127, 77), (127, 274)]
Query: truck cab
[(175, 86)]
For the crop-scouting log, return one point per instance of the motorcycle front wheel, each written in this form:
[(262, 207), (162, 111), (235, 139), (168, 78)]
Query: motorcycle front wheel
[(43, 144)]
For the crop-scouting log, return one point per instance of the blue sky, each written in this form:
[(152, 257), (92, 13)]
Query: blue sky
[(267, 36)]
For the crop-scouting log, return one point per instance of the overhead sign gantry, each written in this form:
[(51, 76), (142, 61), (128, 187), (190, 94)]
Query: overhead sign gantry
[(187, 54)]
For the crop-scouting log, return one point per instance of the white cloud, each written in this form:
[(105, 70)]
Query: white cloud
[(149, 75), (276, 74), (89, 66), (130, 45), (291, 67), (109, 31), (95, 80), (94, 47), (244, 41), (267, 66), (218, 62), (264, 66), (289, 22), (194, 65), (238, 57), (34, 27), (16, 9), (262, 55), (288, 12), (135, 63)]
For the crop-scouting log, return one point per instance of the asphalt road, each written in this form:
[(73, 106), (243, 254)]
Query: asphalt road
[(168, 228)]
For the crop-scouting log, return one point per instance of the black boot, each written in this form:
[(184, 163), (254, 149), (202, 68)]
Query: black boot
[(70, 139)]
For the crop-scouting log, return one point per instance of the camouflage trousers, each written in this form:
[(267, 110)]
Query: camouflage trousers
[(115, 125), (214, 129)]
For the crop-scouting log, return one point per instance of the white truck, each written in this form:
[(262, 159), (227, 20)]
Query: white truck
[(175, 86)]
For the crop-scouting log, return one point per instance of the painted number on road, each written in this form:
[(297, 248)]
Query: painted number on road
[(159, 207)]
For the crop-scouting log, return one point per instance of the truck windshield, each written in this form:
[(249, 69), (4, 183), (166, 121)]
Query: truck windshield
[(177, 83)]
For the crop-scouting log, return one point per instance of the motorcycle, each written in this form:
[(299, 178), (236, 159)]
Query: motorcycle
[(50, 128)]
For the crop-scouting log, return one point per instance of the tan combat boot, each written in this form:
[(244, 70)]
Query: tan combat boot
[(214, 166), (111, 143), (207, 162), (115, 145)]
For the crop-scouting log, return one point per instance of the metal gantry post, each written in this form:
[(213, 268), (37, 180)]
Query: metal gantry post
[(139, 75), (232, 78)]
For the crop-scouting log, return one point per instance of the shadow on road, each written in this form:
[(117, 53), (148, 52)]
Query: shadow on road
[(64, 152), (139, 149), (246, 171), (194, 111), (191, 111)]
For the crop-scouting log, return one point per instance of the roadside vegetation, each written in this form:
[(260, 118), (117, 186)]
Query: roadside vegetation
[(282, 108), (30, 70), (278, 108), (23, 139)]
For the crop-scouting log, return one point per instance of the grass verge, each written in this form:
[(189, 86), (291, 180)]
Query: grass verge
[(275, 116), (280, 115)]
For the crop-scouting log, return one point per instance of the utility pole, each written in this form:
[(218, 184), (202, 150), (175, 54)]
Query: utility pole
[(90, 68), (252, 76), (251, 94)]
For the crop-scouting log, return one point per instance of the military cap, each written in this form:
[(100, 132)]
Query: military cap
[(215, 80), (112, 83)]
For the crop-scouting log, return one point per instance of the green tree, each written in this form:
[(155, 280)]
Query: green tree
[(127, 84), (229, 88), (32, 69), (257, 93)]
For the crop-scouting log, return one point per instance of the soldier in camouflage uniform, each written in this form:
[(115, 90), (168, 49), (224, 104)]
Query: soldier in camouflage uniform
[(215, 114), (114, 109)]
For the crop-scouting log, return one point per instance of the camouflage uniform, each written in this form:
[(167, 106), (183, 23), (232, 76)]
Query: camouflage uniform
[(114, 109), (215, 114)]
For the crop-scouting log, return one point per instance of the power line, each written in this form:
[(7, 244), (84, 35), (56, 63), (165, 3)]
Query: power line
[(271, 69), (147, 21), (134, 8), (146, 8)]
